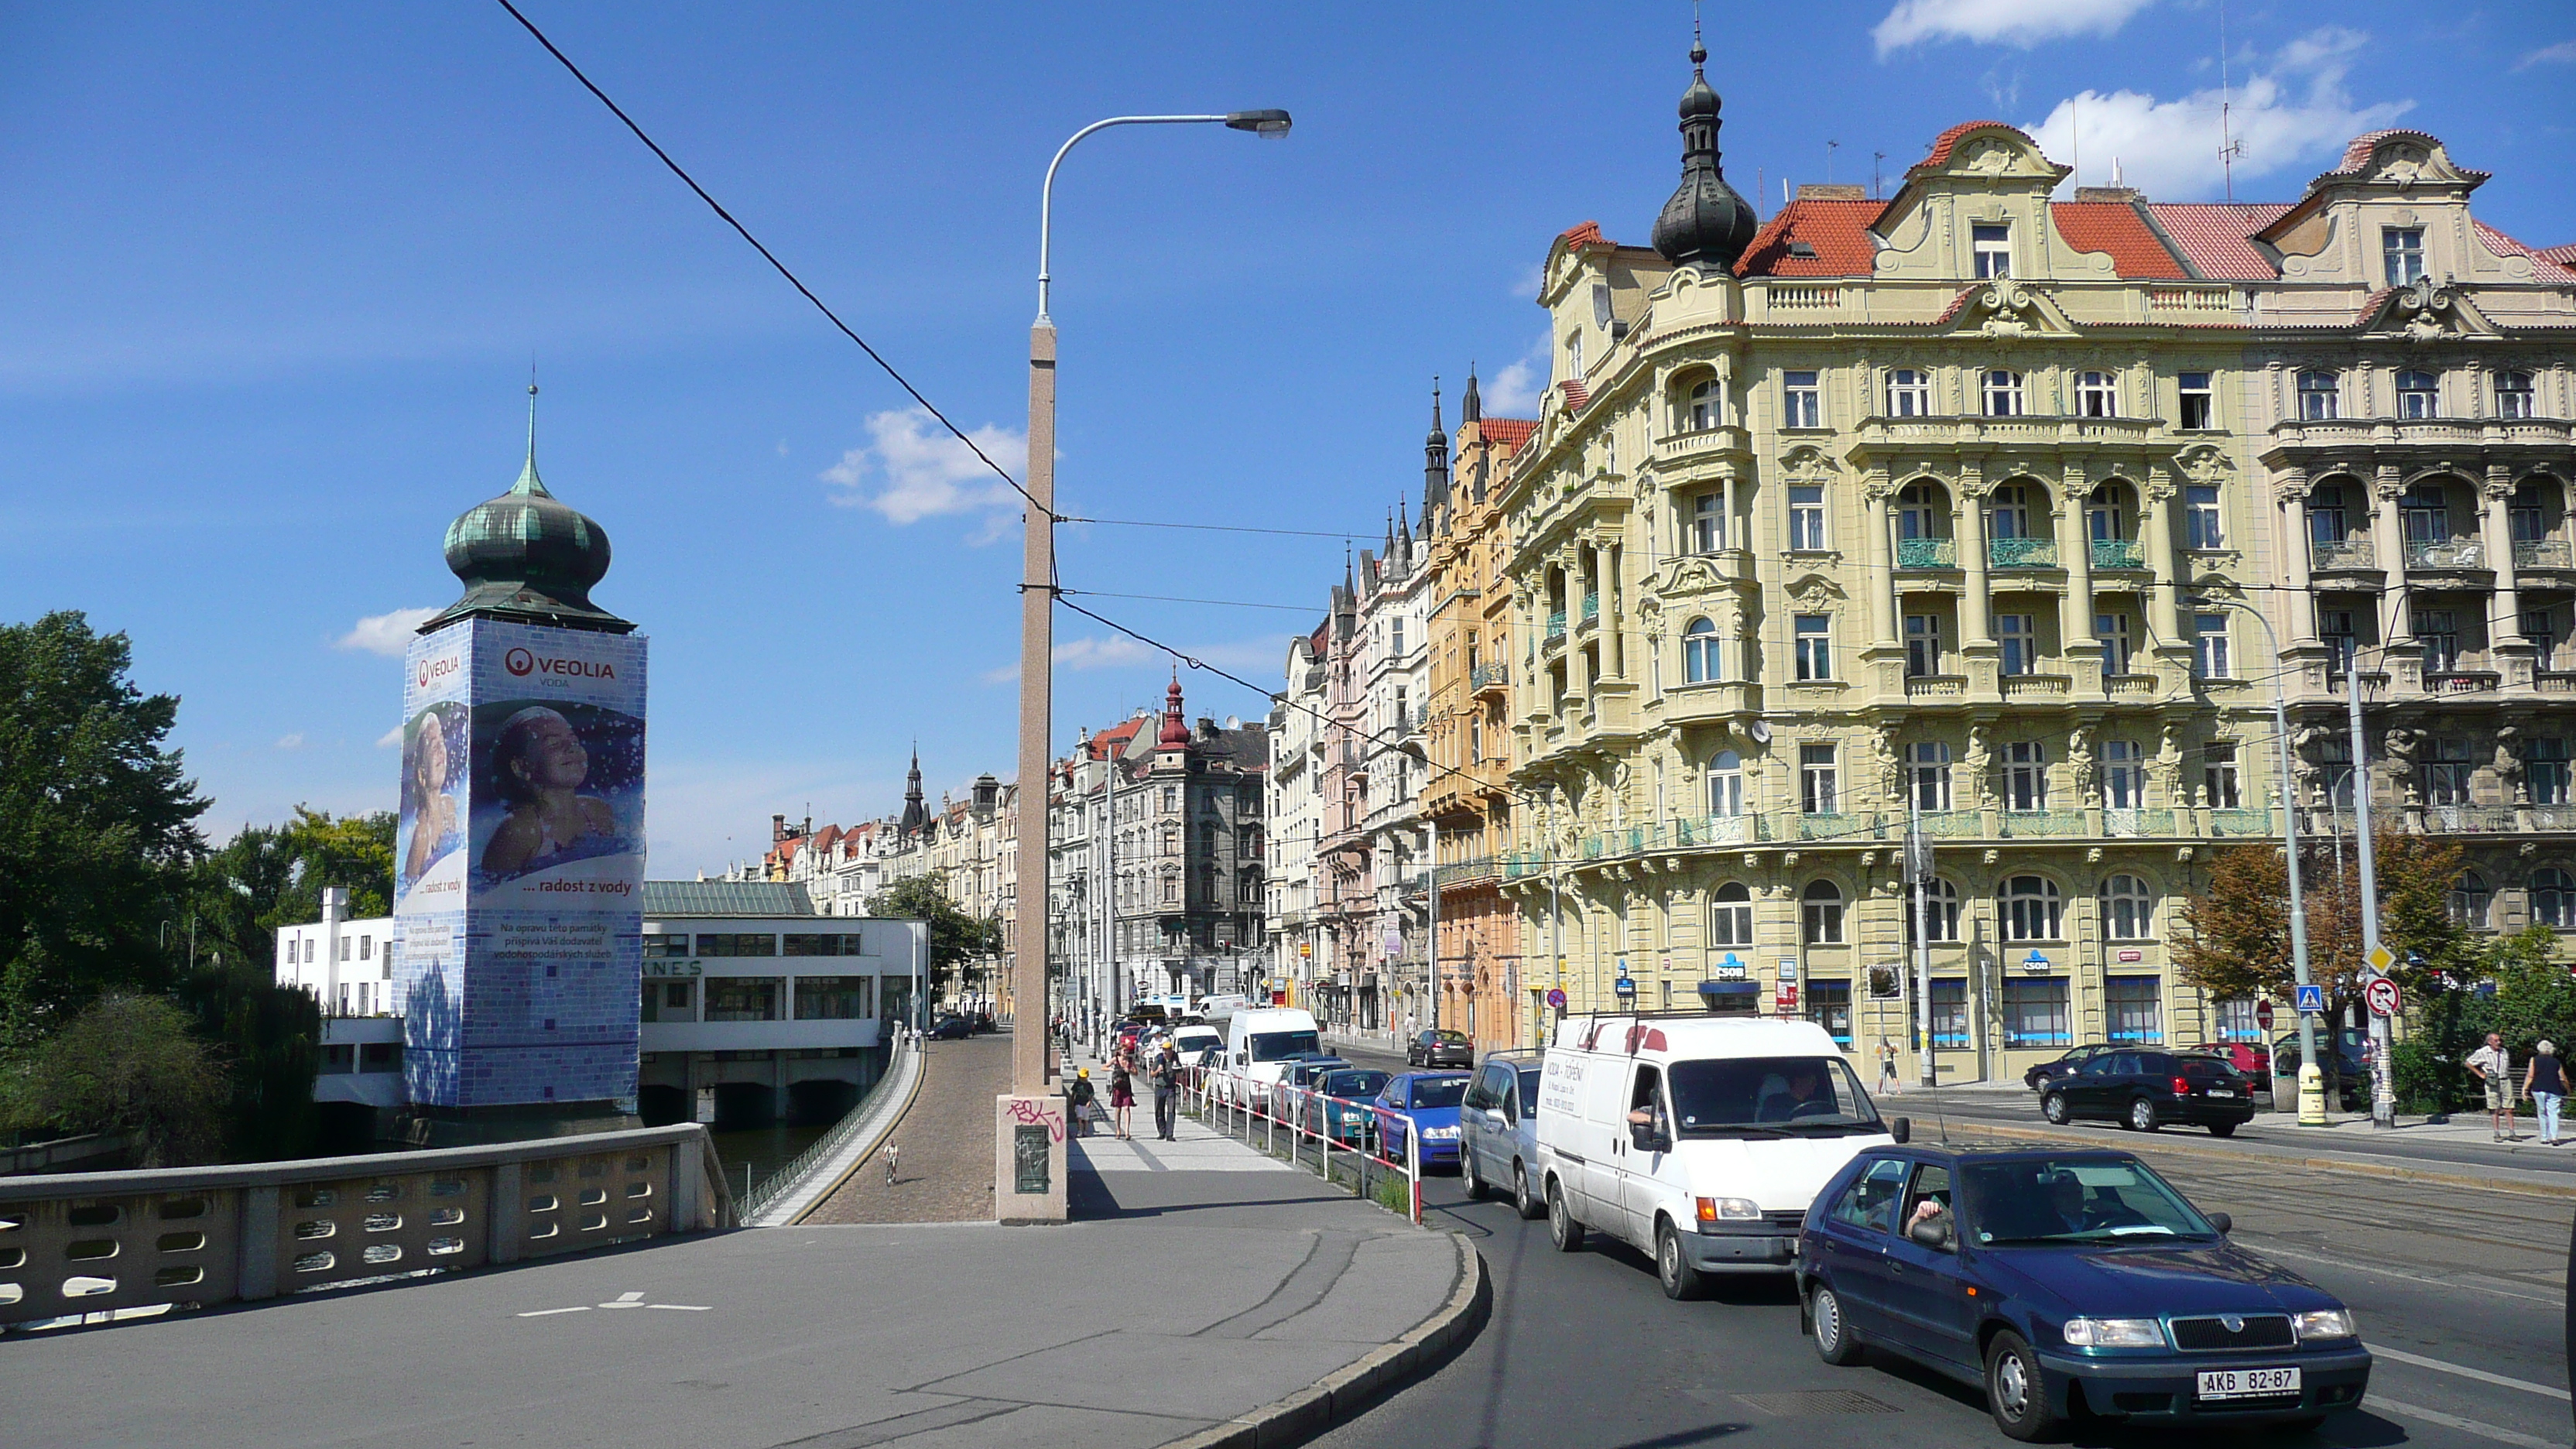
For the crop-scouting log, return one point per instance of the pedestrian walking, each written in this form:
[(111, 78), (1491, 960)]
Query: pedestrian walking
[(1887, 1066), (892, 1152), (1078, 1100), (1167, 1093), (2492, 1065), (1122, 1095), (2545, 1082)]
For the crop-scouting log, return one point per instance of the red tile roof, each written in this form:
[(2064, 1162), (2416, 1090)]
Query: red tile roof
[(1117, 734), (1942, 144), (2212, 236), (2116, 228), (1509, 434), (1584, 234), (1577, 396), (2564, 256), (1837, 230), (2544, 267)]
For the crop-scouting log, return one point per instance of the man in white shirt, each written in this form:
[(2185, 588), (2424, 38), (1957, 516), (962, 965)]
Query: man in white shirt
[(2491, 1065)]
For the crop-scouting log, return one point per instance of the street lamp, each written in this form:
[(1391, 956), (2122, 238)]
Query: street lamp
[(2312, 1088)]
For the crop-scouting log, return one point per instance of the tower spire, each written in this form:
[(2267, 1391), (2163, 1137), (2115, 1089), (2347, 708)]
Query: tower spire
[(1705, 224), (1435, 465)]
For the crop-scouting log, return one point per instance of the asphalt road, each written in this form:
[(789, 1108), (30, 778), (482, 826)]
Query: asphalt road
[(1584, 1349)]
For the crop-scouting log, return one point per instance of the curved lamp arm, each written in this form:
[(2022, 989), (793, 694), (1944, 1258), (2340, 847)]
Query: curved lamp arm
[(1271, 125)]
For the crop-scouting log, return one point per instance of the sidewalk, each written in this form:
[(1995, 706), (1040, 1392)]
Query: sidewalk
[(944, 1144)]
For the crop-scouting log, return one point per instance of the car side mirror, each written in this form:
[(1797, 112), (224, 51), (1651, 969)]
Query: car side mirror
[(1647, 1139), (2223, 1223), (1932, 1234), (1902, 1129)]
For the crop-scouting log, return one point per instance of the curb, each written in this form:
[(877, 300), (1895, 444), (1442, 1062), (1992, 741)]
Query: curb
[(883, 1131), (2523, 1185), (1351, 1391)]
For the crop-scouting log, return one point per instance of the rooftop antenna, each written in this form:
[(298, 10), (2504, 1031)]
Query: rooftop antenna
[(2229, 148), (1877, 159), (2075, 140), (1830, 148)]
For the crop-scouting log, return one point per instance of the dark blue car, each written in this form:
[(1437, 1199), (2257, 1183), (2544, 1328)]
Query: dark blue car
[(1426, 1102), (2068, 1284)]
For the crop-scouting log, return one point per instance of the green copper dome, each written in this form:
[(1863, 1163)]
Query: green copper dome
[(528, 557)]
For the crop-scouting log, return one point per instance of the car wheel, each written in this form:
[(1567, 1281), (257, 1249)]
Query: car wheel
[(2222, 1129), (1673, 1267), (1468, 1182), (1525, 1201), (2053, 1107), (1835, 1343), (2015, 1392), (1562, 1229), (2142, 1115)]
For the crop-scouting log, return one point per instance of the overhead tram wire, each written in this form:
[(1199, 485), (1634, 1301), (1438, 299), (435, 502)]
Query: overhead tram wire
[(1219, 528), (1062, 592)]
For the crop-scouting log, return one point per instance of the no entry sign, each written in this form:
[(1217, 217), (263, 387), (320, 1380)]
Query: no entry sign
[(2381, 995)]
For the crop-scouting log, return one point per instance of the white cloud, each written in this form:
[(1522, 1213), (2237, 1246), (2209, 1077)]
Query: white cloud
[(2022, 23), (390, 739), (919, 470), (387, 634), (2563, 53), (2295, 109), (1514, 391), (1525, 286), (290, 742)]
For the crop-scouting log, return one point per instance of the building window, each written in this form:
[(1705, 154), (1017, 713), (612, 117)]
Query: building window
[(1922, 645), (1942, 910), (1909, 393), (2527, 515), (2200, 517), (2438, 630), (1726, 785), (2035, 1012), (2446, 774), (2003, 393), (2124, 775), (737, 943), (2470, 899), (1992, 241), (2317, 397), (2326, 522), (2097, 395), (2237, 1021), (1699, 652), (2540, 631), (2401, 248), (1707, 523), (665, 947), (2198, 402), (1807, 519), (2545, 769), (2218, 775), (1802, 401), (743, 998), (2030, 908), (834, 998), (1395, 636), (2419, 394), (2128, 910), (1816, 779), (2133, 1009), (1829, 1006), (1814, 647), (1703, 407), (2118, 647), (2553, 898), (1950, 1015), (2513, 395), (1731, 917), (2019, 635), (2334, 767), (2026, 775), (2008, 512), (1820, 910), (1928, 763), (1922, 511), (818, 944), (2209, 656)]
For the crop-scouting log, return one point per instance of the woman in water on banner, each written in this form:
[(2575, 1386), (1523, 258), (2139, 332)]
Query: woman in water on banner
[(539, 764), (429, 784)]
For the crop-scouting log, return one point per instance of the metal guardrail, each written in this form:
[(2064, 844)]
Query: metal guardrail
[(99, 1246), (1310, 1120), (862, 1117)]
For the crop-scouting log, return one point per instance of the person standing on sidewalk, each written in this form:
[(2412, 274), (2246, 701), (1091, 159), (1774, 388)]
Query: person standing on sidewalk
[(2545, 1082), (1122, 1094), (1078, 1098), (1886, 1067), (1167, 1093), (2493, 1067)]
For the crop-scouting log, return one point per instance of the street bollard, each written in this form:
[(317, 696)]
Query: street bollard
[(2312, 1095)]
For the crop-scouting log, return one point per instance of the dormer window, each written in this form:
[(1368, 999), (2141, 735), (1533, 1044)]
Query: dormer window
[(1803, 250), (2401, 248), (1992, 242)]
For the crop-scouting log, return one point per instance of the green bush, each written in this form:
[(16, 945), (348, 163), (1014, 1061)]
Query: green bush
[(2427, 1078)]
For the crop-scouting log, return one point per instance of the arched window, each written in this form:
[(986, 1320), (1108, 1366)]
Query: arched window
[(1821, 912), (1730, 920), (1943, 912), (2317, 396), (2470, 898), (1699, 652), (2553, 898), (2128, 910), (1701, 411), (1726, 785), (2030, 908)]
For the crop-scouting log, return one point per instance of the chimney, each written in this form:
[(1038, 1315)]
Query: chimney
[(777, 828), (2124, 195), (1821, 191)]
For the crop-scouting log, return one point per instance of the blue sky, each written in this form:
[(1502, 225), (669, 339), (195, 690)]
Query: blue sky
[(274, 276)]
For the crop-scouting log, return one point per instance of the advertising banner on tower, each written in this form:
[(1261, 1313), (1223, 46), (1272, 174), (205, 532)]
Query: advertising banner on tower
[(519, 864)]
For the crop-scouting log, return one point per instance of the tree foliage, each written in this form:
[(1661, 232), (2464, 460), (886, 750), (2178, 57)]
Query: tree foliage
[(130, 1064), (2235, 941), (955, 936)]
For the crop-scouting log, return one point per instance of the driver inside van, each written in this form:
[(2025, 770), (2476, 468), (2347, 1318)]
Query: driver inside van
[(1799, 1092)]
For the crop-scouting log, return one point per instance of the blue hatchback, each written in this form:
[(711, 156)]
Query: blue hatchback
[(1428, 1102), (2068, 1284)]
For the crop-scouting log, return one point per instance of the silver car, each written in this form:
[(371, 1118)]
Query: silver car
[(1498, 1131)]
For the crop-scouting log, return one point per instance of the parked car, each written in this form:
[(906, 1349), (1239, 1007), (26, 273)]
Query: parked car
[(2252, 1059), (1498, 1131), (951, 1028), (1440, 1049), (1340, 1108), (2343, 1053), (1424, 1102), (2066, 1284), (2145, 1090), (1257, 1043), (2038, 1077), (1302, 1072)]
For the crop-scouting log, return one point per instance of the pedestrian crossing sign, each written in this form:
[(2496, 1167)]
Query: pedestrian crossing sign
[(2312, 1001)]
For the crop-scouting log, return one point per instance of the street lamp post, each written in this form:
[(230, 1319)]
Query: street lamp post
[(1027, 1099)]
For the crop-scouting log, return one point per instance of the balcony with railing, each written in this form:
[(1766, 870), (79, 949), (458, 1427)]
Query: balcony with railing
[(2349, 555), (2243, 823), (1936, 686), (1555, 625), (1927, 553), (1483, 678), (1590, 617), (1468, 871), (2021, 553), (2445, 553), (2045, 823), (2119, 553), (2543, 553)]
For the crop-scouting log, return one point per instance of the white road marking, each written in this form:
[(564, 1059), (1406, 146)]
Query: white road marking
[(2274, 1249), (626, 1300), (2481, 1375), (2454, 1421), (543, 1312), (681, 1307)]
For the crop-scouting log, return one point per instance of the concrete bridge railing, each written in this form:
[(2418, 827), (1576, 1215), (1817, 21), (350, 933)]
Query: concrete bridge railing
[(96, 1243)]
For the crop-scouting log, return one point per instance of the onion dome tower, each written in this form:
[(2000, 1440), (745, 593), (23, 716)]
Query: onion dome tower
[(1435, 466), (528, 558), (1705, 224), (1176, 728)]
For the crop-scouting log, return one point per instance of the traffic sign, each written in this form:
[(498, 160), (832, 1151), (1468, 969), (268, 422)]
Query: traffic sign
[(2379, 958), (1556, 998), (1624, 987), (2312, 1001), (2381, 995), (2263, 1014)]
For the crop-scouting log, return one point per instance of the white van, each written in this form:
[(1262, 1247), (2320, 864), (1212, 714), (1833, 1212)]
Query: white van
[(1699, 1140), (1191, 1038), (1259, 1042)]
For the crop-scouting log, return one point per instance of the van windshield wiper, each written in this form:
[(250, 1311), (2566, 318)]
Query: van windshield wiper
[(1717, 1128)]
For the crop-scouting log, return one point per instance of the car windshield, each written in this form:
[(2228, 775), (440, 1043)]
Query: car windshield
[(1439, 1091), (1273, 1046), (1529, 1092), (1769, 1096), (1353, 1084), (2077, 1200)]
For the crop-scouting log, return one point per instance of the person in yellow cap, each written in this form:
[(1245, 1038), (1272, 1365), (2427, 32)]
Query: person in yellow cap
[(1078, 1096)]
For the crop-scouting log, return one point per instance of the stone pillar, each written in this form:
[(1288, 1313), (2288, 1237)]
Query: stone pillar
[(2388, 530), (1881, 579), (2290, 500), (2495, 529), (2165, 611), (2075, 612), (1976, 605)]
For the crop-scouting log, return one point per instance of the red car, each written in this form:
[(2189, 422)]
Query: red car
[(2252, 1058)]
